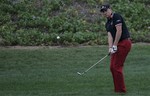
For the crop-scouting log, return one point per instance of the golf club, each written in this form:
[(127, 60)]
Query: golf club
[(81, 73)]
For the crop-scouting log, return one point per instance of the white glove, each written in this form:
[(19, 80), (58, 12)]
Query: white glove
[(113, 49)]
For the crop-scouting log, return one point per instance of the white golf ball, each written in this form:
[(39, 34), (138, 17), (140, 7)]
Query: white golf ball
[(58, 37)]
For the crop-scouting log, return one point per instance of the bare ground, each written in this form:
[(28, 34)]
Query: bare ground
[(52, 47)]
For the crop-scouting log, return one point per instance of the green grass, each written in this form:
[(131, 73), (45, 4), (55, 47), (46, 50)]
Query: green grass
[(52, 72)]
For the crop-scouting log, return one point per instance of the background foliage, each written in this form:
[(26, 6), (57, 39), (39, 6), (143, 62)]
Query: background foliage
[(39, 22)]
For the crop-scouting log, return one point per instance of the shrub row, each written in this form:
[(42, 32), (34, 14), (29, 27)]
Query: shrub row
[(39, 22)]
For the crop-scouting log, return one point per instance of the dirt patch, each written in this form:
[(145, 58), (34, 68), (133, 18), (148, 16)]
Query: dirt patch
[(141, 43), (28, 47), (53, 47)]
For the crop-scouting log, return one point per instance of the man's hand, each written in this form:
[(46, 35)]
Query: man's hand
[(113, 49)]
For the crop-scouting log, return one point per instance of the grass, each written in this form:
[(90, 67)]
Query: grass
[(52, 72)]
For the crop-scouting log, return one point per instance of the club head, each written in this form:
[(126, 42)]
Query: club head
[(80, 73)]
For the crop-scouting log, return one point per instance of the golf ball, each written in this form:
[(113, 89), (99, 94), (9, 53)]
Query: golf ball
[(58, 37)]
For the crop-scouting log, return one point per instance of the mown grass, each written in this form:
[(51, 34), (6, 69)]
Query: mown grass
[(52, 72)]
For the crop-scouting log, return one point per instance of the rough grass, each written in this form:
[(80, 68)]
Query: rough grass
[(52, 72)]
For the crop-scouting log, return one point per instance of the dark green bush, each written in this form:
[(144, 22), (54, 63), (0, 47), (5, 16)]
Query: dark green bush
[(39, 22)]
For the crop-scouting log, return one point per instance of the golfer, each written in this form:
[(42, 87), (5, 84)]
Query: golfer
[(119, 45)]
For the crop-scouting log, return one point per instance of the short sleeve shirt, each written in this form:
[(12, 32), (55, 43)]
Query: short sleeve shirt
[(111, 26)]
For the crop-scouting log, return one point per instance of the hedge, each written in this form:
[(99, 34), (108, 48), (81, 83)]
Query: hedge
[(39, 22)]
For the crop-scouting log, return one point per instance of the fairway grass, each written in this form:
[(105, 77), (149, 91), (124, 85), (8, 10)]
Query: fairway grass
[(53, 72)]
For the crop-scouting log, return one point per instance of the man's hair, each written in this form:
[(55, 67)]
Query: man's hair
[(104, 7)]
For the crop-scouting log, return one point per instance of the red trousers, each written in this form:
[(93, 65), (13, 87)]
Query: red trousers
[(117, 63)]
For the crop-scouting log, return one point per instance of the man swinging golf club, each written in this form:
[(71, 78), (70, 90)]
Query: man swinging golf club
[(119, 45)]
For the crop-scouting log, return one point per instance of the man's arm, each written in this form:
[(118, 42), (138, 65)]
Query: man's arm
[(118, 33), (110, 40)]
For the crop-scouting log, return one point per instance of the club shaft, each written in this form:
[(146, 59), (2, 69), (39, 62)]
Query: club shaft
[(96, 63)]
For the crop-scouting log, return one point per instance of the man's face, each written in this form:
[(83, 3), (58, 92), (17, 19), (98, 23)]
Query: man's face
[(107, 13)]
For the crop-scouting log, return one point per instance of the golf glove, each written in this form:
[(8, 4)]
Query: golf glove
[(113, 49)]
